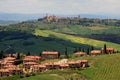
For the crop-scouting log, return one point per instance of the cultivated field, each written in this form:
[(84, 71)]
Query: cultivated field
[(78, 40)]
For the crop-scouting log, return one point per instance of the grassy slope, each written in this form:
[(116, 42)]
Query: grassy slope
[(79, 40), (44, 77), (76, 29), (105, 67)]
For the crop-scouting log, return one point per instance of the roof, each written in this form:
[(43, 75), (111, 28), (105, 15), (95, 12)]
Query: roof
[(28, 59), (34, 57), (64, 65), (4, 70), (80, 53), (31, 63), (95, 51), (42, 66), (10, 66), (50, 52), (9, 58), (11, 69), (84, 60), (108, 49)]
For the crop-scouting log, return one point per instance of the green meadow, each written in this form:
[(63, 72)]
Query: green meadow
[(74, 39)]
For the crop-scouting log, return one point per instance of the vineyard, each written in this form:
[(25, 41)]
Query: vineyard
[(105, 67)]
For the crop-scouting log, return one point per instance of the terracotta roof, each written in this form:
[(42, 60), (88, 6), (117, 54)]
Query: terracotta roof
[(84, 60), (11, 69), (95, 51), (9, 66), (33, 57), (4, 70), (28, 58), (42, 66), (108, 49), (31, 63), (50, 52), (72, 62), (9, 58), (80, 53), (64, 65)]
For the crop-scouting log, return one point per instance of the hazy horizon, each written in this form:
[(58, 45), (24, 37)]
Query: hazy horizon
[(13, 9), (110, 7)]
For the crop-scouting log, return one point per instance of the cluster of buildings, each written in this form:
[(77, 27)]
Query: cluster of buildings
[(32, 64), (95, 52), (7, 67), (59, 19)]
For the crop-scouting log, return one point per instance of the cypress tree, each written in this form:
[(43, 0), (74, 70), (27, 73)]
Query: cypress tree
[(18, 56), (66, 53), (92, 48), (40, 54), (79, 48), (1, 54), (105, 49), (58, 54), (28, 54), (88, 51), (75, 50)]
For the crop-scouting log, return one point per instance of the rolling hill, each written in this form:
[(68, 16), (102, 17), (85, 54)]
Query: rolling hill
[(79, 40)]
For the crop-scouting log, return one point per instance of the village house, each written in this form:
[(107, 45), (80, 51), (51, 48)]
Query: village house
[(79, 53), (4, 72), (64, 66), (74, 64), (95, 52), (84, 63), (78, 64), (27, 65), (38, 68), (51, 66), (7, 61), (108, 50), (50, 54), (31, 59)]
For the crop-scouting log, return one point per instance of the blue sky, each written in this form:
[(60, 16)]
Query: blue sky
[(60, 6)]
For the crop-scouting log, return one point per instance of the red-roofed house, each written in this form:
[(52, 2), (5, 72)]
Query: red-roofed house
[(109, 50), (49, 54), (95, 52), (79, 53)]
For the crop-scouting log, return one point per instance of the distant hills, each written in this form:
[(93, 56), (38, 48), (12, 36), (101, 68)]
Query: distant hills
[(5, 22), (24, 17)]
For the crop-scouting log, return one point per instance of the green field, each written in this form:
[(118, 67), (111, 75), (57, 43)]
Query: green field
[(44, 77), (78, 40), (76, 29)]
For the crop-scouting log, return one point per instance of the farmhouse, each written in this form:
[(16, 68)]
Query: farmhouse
[(108, 50), (95, 52), (79, 53), (49, 54), (31, 59)]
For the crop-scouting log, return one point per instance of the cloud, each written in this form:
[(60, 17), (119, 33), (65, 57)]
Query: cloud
[(61, 6)]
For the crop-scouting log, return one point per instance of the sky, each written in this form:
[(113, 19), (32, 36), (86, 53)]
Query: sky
[(60, 6)]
